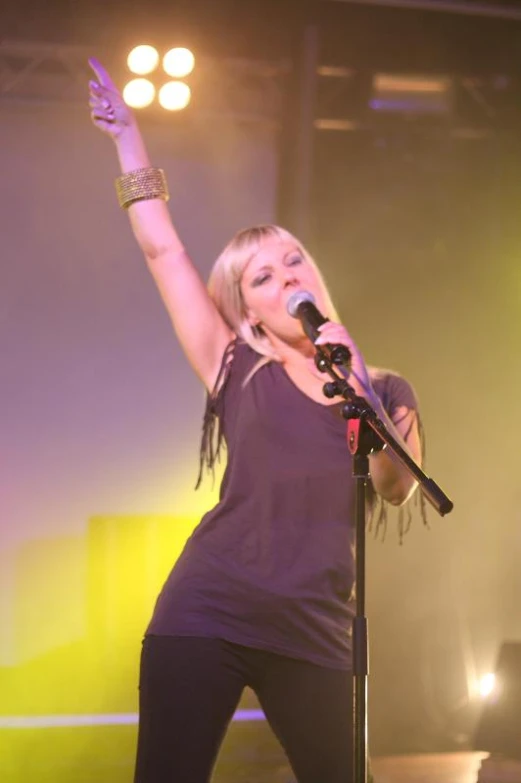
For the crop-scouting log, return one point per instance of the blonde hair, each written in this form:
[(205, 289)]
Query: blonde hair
[(224, 284)]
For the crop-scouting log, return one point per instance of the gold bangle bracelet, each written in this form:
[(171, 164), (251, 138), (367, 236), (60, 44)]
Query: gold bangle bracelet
[(141, 185)]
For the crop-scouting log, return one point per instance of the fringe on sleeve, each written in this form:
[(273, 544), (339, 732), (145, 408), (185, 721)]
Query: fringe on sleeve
[(212, 430), (379, 517)]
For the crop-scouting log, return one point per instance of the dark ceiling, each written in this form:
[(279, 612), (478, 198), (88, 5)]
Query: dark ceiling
[(363, 35)]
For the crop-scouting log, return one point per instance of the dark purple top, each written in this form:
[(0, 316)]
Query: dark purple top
[(272, 565)]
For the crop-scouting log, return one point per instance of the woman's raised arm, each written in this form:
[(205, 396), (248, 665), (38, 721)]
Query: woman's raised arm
[(201, 329)]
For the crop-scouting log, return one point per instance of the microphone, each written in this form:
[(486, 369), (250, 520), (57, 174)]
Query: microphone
[(301, 305)]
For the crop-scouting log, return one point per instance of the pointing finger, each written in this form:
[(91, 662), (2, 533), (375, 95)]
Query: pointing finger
[(101, 73)]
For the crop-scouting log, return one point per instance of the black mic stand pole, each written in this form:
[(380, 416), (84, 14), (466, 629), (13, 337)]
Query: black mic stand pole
[(367, 434)]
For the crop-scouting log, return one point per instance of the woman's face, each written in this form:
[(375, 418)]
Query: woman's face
[(275, 272)]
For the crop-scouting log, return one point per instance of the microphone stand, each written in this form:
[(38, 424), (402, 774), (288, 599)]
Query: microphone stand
[(366, 434)]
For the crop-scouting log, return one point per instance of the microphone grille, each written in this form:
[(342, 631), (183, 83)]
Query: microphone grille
[(296, 299)]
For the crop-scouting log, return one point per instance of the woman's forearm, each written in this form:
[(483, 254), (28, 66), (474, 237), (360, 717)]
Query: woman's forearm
[(150, 219), (389, 477), (131, 149)]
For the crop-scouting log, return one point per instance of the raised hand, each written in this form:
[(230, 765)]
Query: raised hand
[(109, 112)]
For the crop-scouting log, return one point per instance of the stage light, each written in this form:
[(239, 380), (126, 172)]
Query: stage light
[(143, 59), (411, 94), (174, 96), (487, 685), (498, 729), (139, 93), (178, 62)]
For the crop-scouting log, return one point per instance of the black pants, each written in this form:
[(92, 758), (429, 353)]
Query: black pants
[(190, 688)]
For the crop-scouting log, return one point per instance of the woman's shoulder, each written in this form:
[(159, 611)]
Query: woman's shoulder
[(237, 362), (393, 389)]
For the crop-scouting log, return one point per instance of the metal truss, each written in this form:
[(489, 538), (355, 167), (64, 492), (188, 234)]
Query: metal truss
[(255, 91), (473, 107), (42, 72), (498, 9), (238, 89)]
